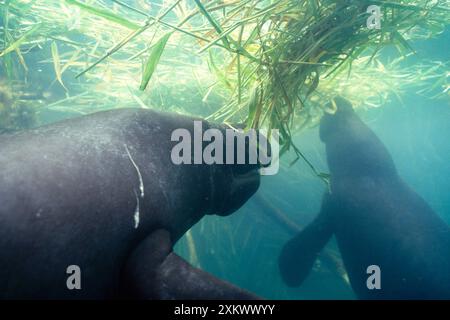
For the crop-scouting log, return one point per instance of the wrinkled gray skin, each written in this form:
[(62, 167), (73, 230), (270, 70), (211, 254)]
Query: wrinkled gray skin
[(376, 219), (69, 193)]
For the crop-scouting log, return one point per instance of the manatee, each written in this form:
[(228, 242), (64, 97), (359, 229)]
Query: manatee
[(100, 193), (376, 218)]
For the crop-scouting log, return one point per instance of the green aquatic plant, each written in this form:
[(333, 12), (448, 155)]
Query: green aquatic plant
[(153, 60), (268, 63), (299, 46)]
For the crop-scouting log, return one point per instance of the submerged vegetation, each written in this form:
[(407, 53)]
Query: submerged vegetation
[(269, 63)]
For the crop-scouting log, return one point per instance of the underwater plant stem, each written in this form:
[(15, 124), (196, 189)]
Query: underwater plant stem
[(213, 22), (114, 49), (131, 36), (104, 14), (125, 5), (16, 44)]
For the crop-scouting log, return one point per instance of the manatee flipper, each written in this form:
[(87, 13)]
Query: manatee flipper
[(153, 271), (298, 254)]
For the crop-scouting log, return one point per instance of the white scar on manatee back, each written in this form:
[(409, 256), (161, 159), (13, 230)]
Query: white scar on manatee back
[(136, 215), (136, 212)]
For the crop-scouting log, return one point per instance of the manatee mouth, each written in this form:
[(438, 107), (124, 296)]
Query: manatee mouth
[(325, 127), (246, 176), (245, 180), (331, 122)]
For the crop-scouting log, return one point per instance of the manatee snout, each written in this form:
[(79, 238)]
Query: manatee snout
[(235, 187), (332, 123), (243, 186), (239, 174)]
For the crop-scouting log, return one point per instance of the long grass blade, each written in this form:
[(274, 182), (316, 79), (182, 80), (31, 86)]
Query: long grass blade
[(106, 14), (153, 60), (16, 44), (57, 64), (213, 22)]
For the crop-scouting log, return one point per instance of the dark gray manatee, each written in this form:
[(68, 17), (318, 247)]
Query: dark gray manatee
[(376, 219), (100, 192)]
